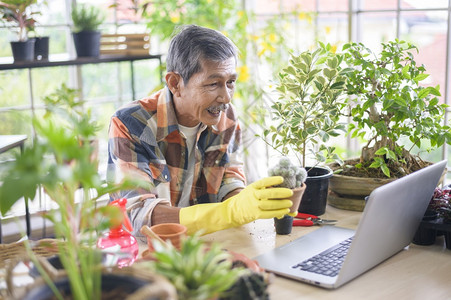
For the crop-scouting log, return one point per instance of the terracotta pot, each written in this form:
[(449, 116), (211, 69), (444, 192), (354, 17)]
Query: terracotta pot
[(172, 232), (297, 197)]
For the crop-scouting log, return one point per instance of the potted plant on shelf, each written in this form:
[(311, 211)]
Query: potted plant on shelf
[(394, 113), (19, 15), (60, 162), (306, 115), (293, 178), (86, 21)]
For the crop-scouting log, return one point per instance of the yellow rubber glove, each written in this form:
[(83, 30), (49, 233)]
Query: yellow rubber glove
[(257, 201)]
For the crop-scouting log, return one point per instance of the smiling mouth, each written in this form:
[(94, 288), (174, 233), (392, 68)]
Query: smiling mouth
[(215, 110)]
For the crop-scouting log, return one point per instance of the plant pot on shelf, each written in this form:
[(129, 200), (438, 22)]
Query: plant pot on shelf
[(314, 200), (87, 43), (41, 48), (23, 51)]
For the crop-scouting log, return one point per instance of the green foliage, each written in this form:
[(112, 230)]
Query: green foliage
[(293, 176), (390, 104), (61, 161), (18, 13), (198, 271), (66, 108), (86, 17), (311, 100)]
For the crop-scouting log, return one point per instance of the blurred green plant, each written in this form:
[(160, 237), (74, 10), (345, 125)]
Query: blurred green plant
[(62, 163), (19, 15), (198, 271), (86, 17)]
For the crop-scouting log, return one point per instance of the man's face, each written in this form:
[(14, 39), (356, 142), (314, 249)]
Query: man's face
[(206, 93)]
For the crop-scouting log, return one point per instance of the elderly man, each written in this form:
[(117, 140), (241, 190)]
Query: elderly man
[(185, 140)]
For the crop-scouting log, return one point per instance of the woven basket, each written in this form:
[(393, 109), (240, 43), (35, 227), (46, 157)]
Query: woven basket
[(12, 254), (18, 251)]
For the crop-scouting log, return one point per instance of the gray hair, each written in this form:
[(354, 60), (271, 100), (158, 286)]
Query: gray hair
[(192, 44)]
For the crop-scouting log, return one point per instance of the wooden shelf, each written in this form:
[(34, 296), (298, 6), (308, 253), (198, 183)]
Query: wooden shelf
[(76, 61)]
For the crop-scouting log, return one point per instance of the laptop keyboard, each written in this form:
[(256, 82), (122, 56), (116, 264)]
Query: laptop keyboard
[(327, 262)]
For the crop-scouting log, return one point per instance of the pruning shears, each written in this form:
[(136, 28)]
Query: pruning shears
[(302, 219)]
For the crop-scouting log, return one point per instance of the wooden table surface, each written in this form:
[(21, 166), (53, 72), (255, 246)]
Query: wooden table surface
[(419, 272)]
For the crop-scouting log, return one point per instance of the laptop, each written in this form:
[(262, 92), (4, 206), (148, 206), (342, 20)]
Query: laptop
[(388, 224)]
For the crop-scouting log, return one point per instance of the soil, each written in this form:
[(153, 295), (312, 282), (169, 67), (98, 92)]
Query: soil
[(396, 171)]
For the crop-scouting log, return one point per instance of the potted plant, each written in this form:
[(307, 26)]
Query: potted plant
[(293, 178), (19, 15), (86, 21), (206, 271), (437, 219), (306, 115), (393, 112), (62, 164)]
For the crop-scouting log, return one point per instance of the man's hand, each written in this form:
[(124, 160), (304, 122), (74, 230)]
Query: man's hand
[(258, 200)]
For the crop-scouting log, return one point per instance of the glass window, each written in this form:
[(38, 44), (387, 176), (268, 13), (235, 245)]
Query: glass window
[(333, 29), (374, 28), (333, 5), (376, 5), (14, 88), (427, 31), (420, 4)]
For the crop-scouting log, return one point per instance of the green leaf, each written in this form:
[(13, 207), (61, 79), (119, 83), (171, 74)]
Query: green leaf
[(385, 170), (423, 93), (421, 77), (405, 71)]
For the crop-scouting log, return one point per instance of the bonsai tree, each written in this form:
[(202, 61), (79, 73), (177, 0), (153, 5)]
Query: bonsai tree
[(62, 164), (18, 13), (391, 109), (307, 112)]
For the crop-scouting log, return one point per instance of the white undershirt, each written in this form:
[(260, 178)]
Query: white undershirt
[(190, 134)]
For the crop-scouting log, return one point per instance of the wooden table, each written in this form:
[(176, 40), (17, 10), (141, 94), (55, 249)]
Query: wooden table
[(420, 272)]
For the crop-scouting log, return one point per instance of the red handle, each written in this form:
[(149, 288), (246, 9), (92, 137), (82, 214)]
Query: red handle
[(305, 216), (302, 223)]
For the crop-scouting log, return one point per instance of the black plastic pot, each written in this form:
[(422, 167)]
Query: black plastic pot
[(284, 225), (315, 196), (23, 51), (41, 48), (119, 285), (425, 235), (87, 43)]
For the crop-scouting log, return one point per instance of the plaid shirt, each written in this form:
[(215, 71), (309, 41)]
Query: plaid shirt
[(144, 139)]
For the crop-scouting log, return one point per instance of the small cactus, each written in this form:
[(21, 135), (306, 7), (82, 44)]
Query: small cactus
[(293, 176)]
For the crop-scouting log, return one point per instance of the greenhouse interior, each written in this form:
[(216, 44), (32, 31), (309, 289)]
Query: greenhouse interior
[(185, 149)]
